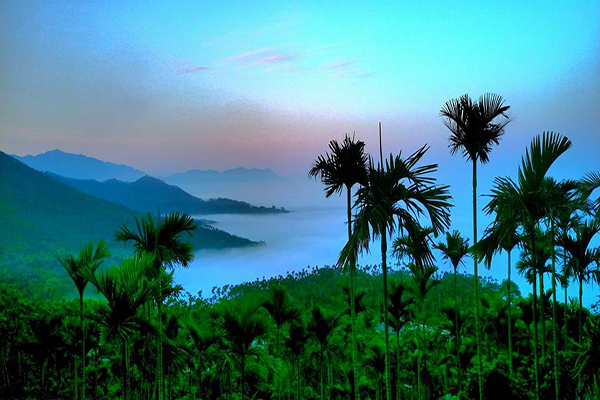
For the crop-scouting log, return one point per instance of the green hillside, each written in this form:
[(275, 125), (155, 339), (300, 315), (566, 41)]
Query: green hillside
[(40, 215)]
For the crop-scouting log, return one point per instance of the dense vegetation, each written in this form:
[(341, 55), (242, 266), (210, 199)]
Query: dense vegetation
[(150, 194), (346, 331)]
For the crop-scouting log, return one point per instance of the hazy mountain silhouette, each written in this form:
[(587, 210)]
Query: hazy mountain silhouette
[(79, 166), (40, 215), (149, 194)]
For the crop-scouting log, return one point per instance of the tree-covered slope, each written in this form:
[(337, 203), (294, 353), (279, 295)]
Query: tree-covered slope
[(149, 194)]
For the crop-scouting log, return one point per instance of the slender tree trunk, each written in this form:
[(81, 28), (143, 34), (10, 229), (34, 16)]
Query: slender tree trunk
[(159, 360), (76, 386), (354, 350), (243, 376), (298, 378), (535, 322), (580, 335), (82, 346), (457, 327), (125, 377), (477, 295), (554, 317), (398, 365), (510, 351), (388, 391), (543, 315), (322, 374), (566, 316)]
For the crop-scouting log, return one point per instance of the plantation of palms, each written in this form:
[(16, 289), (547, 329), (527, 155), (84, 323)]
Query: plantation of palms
[(415, 325)]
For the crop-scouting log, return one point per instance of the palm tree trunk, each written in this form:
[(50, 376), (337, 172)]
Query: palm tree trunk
[(543, 315), (388, 391), (82, 347), (510, 360), (565, 323), (125, 382), (159, 360), (535, 322), (398, 364), (322, 374), (354, 350), (243, 376), (580, 308), (456, 311), (554, 317), (298, 378), (477, 295)]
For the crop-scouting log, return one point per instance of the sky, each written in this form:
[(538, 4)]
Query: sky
[(172, 86)]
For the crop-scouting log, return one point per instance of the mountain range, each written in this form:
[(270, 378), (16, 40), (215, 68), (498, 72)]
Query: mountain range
[(78, 166), (151, 194), (41, 215)]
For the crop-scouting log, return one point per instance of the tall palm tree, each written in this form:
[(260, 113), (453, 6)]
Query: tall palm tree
[(394, 196), (473, 133), (455, 249), (501, 234), (321, 326), (88, 259), (282, 311), (126, 290), (296, 343), (242, 325), (530, 194), (422, 283), (345, 167), (399, 310), (582, 256), (163, 240)]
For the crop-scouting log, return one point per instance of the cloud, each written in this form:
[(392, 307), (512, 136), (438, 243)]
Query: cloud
[(339, 65), (198, 68), (264, 56)]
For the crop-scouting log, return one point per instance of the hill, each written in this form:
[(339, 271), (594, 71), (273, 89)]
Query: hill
[(79, 166), (149, 194), (40, 215)]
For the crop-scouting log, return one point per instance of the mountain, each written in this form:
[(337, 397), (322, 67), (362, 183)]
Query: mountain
[(40, 215), (252, 185), (150, 194), (79, 166)]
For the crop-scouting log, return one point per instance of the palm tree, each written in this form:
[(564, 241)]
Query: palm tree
[(501, 235), (394, 196), (530, 194), (296, 343), (163, 241), (126, 290), (474, 133), (344, 168), (399, 310), (242, 325), (582, 256), (588, 362), (422, 283), (88, 259), (281, 310), (455, 249), (321, 327)]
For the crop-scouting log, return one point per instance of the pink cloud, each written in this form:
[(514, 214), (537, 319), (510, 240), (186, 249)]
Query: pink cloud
[(265, 56), (198, 68), (338, 65)]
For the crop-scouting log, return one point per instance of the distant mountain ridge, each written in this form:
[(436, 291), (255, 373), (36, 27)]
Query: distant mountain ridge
[(79, 166), (229, 175), (150, 194), (40, 215)]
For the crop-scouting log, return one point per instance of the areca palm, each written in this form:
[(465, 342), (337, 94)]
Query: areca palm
[(281, 310), (530, 195), (399, 310), (163, 240), (344, 167), (126, 290), (475, 128), (422, 283), (394, 196), (455, 249), (242, 326), (321, 326), (88, 259)]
